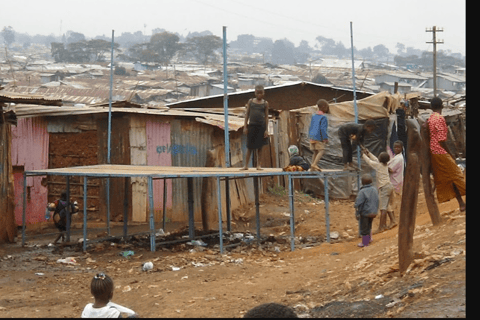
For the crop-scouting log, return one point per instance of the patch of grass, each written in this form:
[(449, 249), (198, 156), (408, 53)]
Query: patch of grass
[(277, 190)]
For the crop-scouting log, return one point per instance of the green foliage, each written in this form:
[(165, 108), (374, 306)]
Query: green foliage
[(161, 48), (81, 51), (204, 49), (8, 35), (277, 190)]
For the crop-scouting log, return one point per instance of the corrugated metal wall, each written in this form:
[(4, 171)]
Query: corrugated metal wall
[(190, 141), (159, 154), (30, 152)]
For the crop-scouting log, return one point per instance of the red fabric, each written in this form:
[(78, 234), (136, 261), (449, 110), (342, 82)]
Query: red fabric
[(438, 132)]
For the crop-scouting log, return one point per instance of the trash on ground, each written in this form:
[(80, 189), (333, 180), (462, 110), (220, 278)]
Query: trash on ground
[(127, 254), (147, 266), (197, 243), (68, 260)]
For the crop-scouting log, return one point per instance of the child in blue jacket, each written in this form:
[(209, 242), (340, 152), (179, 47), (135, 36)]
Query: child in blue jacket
[(318, 133), (366, 208)]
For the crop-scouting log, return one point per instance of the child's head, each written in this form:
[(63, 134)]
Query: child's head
[(271, 310), (323, 105), (292, 150), (383, 157), (367, 179), (369, 125), (398, 146), (102, 287), (436, 104), (259, 91)]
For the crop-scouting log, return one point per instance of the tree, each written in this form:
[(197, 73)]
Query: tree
[(59, 54), (302, 52), (74, 37), (97, 48), (204, 48), (282, 53), (366, 53), (400, 48), (380, 50), (8, 35), (165, 45)]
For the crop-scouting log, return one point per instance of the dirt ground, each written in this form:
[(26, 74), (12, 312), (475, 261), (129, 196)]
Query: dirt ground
[(317, 279)]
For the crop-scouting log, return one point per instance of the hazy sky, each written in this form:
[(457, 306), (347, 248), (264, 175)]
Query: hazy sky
[(374, 21)]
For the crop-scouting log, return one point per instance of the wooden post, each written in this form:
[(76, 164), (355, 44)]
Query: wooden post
[(207, 187), (426, 169), (8, 229), (408, 208)]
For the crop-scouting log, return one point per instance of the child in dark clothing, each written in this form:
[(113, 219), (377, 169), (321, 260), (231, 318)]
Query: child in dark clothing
[(366, 208), (357, 133), (296, 159), (256, 125), (60, 214)]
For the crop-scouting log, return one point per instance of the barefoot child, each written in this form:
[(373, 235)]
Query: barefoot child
[(102, 290), (366, 208), (385, 187), (318, 133), (355, 132), (256, 125)]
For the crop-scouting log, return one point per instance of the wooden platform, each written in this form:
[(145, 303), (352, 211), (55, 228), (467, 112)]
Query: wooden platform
[(115, 170)]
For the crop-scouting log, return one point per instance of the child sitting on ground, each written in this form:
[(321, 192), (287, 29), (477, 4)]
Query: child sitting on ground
[(102, 290), (366, 208), (385, 187), (318, 133)]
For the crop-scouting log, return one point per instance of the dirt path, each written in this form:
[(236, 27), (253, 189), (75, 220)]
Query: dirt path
[(318, 279)]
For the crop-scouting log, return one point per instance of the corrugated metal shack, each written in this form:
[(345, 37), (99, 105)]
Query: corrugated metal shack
[(76, 136)]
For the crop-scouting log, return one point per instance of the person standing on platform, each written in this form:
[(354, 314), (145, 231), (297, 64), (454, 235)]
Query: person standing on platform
[(256, 125), (318, 133)]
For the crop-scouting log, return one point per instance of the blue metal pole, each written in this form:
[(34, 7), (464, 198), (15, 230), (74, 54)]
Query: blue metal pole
[(84, 214), (152, 223), (355, 105), (69, 217), (109, 133), (225, 98), (110, 103), (24, 207), (327, 212), (292, 212), (220, 228)]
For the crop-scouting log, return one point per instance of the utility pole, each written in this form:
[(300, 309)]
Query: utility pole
[(434, 30)]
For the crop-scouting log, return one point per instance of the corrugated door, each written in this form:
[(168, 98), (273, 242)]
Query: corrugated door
[(159, 154), (30, 150), (138, 155), (190, 142)]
